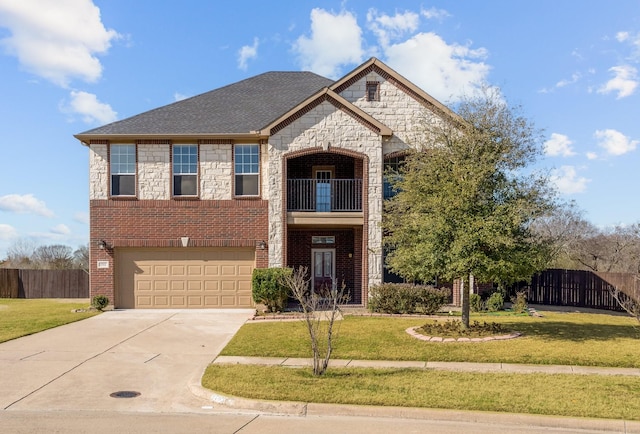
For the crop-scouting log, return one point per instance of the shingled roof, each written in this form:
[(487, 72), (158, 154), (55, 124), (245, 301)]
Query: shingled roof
[(238, 108)]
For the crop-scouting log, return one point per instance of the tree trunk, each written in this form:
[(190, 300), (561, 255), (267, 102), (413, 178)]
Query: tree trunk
[(464, 299)]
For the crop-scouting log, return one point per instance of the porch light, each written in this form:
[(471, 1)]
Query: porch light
[(102, 245), (262, 245)]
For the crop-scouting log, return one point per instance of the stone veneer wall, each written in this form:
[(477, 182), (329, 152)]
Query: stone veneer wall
[(216, 171), (154, 172), (396, 109), (326, 126), (98, 171)]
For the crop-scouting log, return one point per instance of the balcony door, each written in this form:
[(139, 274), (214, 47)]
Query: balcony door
[(323, 176), (324, 268)]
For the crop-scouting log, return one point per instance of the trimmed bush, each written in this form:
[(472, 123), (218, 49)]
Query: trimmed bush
[(495, 302), (407, 298), (100, 302), (267, 287)]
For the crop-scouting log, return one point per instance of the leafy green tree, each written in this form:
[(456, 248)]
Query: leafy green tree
[(465, 201)]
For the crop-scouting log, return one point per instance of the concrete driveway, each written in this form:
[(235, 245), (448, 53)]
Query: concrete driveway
[(157, 353)]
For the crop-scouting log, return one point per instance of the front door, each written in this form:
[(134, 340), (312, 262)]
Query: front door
[(323, 261)]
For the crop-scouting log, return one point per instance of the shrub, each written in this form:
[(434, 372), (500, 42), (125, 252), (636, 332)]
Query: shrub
[(267, 287), (456, 329), (407, 298), (495, 302), (519, 302), (475, 303), (99, 302)]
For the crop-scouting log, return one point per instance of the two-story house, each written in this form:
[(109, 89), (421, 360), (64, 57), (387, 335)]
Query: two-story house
[(280, 169)]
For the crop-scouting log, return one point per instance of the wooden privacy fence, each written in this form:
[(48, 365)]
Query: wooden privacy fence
[(43, 283), (581, 288)]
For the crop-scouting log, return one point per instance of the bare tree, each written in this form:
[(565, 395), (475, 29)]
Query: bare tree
[(19, 254), (81, 258), (55, 256), (630, 304), (320, 310)]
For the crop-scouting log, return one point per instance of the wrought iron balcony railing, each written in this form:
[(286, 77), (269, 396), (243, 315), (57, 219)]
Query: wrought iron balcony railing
[(320, 195)]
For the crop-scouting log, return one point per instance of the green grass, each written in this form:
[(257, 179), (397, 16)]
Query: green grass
[(20, 317), (556, 338), (613, 397)]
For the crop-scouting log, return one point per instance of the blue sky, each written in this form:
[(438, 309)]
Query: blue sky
[(70, 65)]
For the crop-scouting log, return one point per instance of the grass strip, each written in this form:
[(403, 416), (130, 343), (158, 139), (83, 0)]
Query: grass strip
[(556, 338), (20, 317), (614, 397)]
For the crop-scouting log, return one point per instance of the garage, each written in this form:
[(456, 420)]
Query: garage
[(183, 278)]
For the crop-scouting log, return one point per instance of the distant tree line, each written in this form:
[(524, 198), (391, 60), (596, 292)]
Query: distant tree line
[(25, 254), (580, 245)]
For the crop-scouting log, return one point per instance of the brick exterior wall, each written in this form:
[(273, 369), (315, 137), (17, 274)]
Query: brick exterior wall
[(162, 223), (348, 269)]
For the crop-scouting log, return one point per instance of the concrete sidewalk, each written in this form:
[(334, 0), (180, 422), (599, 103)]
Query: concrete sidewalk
[(511, 368)]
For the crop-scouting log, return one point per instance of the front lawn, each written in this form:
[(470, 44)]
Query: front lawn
[(20, 317), (555, 338)]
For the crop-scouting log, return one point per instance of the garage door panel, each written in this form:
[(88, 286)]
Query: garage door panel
[(184, 278), (161, 270), (194, 285), (212, 270)]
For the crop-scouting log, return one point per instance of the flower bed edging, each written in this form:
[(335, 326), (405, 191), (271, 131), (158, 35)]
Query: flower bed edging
[(412, 332)]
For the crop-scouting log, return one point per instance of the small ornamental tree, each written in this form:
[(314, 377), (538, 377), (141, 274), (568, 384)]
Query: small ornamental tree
[(320, 311), (465, 204)]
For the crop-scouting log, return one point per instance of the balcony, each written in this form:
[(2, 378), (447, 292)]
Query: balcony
[(319, 201)]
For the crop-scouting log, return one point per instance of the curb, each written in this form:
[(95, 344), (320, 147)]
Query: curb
[(300, 409)]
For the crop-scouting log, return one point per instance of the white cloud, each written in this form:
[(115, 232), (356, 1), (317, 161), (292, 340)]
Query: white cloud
[(57, 40), (592, 156), (246, 53), (614, 142), (81, 217), (574, 79), (446, 71), (567, 180), (558, 144), (24, 204), (434, 13), (92, 111), (336, 40), (61, 229), (624, 81), (7, 232), (387, 27), (177, 96)]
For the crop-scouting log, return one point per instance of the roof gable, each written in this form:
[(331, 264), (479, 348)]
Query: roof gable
[(332, 97), (374, 64)]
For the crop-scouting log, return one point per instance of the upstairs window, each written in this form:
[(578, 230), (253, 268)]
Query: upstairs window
[(247, 170), (185, 170), (123, 170), (392, 172), (373, 91)]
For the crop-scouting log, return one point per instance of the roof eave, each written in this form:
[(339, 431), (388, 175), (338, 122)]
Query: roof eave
[(85, 139)]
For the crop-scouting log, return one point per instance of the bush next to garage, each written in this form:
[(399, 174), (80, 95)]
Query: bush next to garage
[(407, 298), (267, 287)]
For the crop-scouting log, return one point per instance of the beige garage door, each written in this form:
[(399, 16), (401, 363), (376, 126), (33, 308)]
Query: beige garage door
[(184, 278)]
